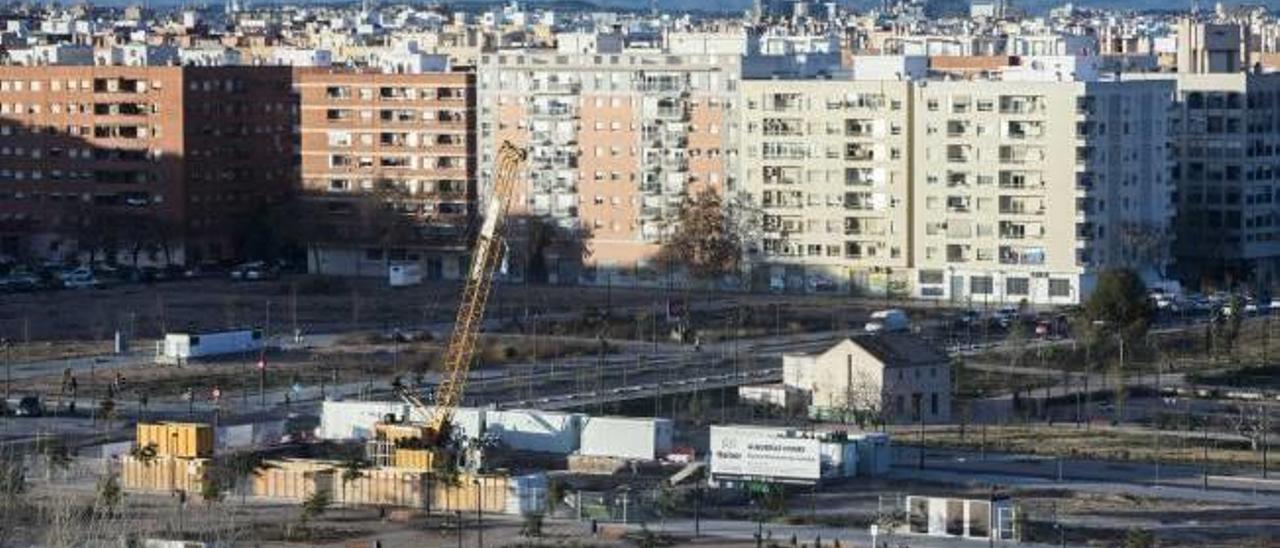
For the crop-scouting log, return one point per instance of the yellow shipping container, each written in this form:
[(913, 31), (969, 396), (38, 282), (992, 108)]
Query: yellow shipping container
[(294, 480), (383, 487), (395, 432), (413, 459), (163, 474), (191, 439), (487, 491), (188, 440)]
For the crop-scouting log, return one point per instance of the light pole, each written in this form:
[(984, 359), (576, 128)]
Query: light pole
[(8, 367), (479, 513)]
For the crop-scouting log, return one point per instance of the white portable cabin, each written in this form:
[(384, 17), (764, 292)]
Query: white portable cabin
[(404, 275), (181, 347)]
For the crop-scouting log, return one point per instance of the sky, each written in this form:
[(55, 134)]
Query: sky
[(1035, 6)]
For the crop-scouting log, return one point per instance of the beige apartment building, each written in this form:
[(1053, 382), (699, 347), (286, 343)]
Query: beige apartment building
[(616, 137), (828, 165), (388, 168), (1026, 190), (982, 191)]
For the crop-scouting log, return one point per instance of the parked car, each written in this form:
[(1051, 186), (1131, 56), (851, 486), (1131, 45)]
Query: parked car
[(821, 284), (1005, 317), (30, 406), (253, 271), (80, 278)]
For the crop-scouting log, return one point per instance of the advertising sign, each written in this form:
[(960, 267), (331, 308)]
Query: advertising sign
[(738, 452)]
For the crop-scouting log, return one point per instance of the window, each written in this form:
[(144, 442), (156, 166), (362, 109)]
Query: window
[(933, 404), (1059, 288), (1017, 286), (980, 285), (931, 276)]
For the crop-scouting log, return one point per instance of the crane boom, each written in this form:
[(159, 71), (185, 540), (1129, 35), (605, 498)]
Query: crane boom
[(475, 294)]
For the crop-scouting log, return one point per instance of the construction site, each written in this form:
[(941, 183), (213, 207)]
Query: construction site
[(312, 411)]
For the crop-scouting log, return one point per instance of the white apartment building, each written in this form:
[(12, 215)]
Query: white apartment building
[(976, 191), (615, 140)]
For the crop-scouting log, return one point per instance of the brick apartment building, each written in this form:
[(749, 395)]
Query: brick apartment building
[(153, 164), (388, 169)]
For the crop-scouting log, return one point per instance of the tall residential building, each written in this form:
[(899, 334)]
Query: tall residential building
[(828, 164), (1029, 189), (1227, 133), (388, 168), (153, 164), (615, 140), (983, 190)]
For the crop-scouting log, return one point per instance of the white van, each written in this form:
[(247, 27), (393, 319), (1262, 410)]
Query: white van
[(888, 321)]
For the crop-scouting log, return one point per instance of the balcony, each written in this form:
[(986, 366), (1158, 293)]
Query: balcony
[(552, 86), (859, 153), (672, 113), (1032, 256), (553, 111), (1012, 206)]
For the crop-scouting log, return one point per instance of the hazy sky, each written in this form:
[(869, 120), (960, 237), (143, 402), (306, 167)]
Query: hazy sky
[(1036, 6)]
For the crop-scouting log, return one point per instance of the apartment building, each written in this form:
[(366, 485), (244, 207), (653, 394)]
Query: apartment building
[(149, 164), (983, 191), (616, 137), (1027, 189), (828, 165), (388, 169), (1227, 139)]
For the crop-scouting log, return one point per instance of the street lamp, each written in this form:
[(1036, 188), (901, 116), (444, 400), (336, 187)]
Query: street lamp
[(479, 512), (8, 367)]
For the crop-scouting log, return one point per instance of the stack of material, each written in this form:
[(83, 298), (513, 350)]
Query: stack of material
[(171, 457)]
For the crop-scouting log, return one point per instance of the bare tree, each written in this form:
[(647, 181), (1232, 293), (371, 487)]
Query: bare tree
[(863, 399), (703, 238)]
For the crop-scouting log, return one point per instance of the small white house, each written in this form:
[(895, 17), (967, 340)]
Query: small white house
[(181, 347)]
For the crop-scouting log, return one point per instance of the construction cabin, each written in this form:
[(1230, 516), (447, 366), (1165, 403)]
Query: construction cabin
[(178, 348)]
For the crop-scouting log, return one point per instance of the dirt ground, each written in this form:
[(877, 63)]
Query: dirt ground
[(1095, 443)]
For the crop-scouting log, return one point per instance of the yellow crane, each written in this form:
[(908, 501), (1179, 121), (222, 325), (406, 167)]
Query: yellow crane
[(475, 294)]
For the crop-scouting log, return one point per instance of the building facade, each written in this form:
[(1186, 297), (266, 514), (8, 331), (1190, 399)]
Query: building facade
[(1027, 190), (1226, 143), (828, 165), (889, 377), (978, 191), (146, 164), (616, 139), (388, 169)]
